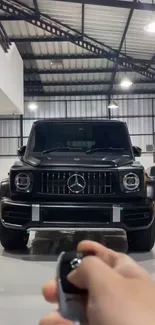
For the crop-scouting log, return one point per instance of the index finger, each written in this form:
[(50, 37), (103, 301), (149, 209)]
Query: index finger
[(105, 254), (122, 263), (50, 292)]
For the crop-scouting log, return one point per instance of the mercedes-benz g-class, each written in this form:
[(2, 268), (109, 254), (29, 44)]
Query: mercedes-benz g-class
[(78, 175)]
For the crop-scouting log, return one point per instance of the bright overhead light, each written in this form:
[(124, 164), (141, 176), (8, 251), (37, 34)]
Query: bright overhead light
[(56, 63), (150, 27), (126, 83), (32, 106), (113, 105)]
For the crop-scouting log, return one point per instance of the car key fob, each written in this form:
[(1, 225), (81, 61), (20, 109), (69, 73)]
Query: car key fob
[(69, 296)]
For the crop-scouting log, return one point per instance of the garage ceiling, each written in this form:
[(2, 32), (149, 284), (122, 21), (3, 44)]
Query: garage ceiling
[(81, 48)]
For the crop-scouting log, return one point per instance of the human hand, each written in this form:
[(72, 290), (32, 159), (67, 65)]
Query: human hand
[(120, 292)]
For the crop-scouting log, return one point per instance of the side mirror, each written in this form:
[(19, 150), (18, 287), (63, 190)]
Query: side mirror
[(21, 151), (137, 151)]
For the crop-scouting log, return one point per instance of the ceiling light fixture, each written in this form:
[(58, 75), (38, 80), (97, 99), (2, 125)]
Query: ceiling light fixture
[(32, 106), (126, 83), (113, 105), (150, 27), (56, 63)]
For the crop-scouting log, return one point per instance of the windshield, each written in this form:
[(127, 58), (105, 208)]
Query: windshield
[(78, 137)]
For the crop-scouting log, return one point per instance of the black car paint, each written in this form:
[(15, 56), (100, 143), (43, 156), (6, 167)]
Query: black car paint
[(80, 160)]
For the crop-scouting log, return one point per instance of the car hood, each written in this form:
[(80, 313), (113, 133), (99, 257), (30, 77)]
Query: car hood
[(77, 160)]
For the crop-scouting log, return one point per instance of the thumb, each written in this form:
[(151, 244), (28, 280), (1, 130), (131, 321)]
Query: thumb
[(95, 276)]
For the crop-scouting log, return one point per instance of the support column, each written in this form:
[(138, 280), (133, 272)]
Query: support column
[(21, 130)]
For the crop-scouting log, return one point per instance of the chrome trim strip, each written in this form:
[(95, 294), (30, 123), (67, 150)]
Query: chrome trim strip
[(16, 203), (116, 214), (7, 224), (105, 230), (35, 212), (71, 206)]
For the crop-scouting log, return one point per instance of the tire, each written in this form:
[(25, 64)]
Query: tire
[(142, 240), (12, 240)]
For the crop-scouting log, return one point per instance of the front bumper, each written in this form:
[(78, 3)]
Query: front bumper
[(76, 217)]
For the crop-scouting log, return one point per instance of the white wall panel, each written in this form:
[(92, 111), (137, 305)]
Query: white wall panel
[(5, 165), (133, 107), (138, 125), (9, 146), (11, 82), (142, 141), (25, 141), (47, 109), (9, 128), (146, 160), (87, 109), (27, 124)]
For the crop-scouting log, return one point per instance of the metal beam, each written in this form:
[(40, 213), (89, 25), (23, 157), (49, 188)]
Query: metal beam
[(116, 3), (35, 84), (56, 28), (36, 7), (73, 30), (88, 93), (83, 19), (152, 61), (4, 40), (57, 38), (121, 61), (14, 17), (73, 71), (120, 49), (108, 3), (66, 56), (39, 39)]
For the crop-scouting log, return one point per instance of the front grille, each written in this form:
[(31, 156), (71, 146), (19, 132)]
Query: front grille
[(64, 183), (76, 215)]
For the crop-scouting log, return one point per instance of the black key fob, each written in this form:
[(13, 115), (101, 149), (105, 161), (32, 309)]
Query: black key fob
[(69, 296)]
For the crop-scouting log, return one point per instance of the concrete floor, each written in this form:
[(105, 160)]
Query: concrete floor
[(21, 280)]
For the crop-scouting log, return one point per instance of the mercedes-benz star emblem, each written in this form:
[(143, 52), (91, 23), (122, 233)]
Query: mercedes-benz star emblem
[(76, 183)]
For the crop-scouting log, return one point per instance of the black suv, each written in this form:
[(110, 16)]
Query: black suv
[(78, 175)]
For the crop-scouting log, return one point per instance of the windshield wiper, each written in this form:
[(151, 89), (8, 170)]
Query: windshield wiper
[(88, 152), (45, 152)]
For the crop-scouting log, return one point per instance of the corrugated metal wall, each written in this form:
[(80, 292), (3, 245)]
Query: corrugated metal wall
[(137, 111)]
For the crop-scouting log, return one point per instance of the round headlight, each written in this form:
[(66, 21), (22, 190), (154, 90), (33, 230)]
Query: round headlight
[(131, 182), (22, 182)]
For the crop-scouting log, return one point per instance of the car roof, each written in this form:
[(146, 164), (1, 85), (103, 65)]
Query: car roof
[(80, 120)]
